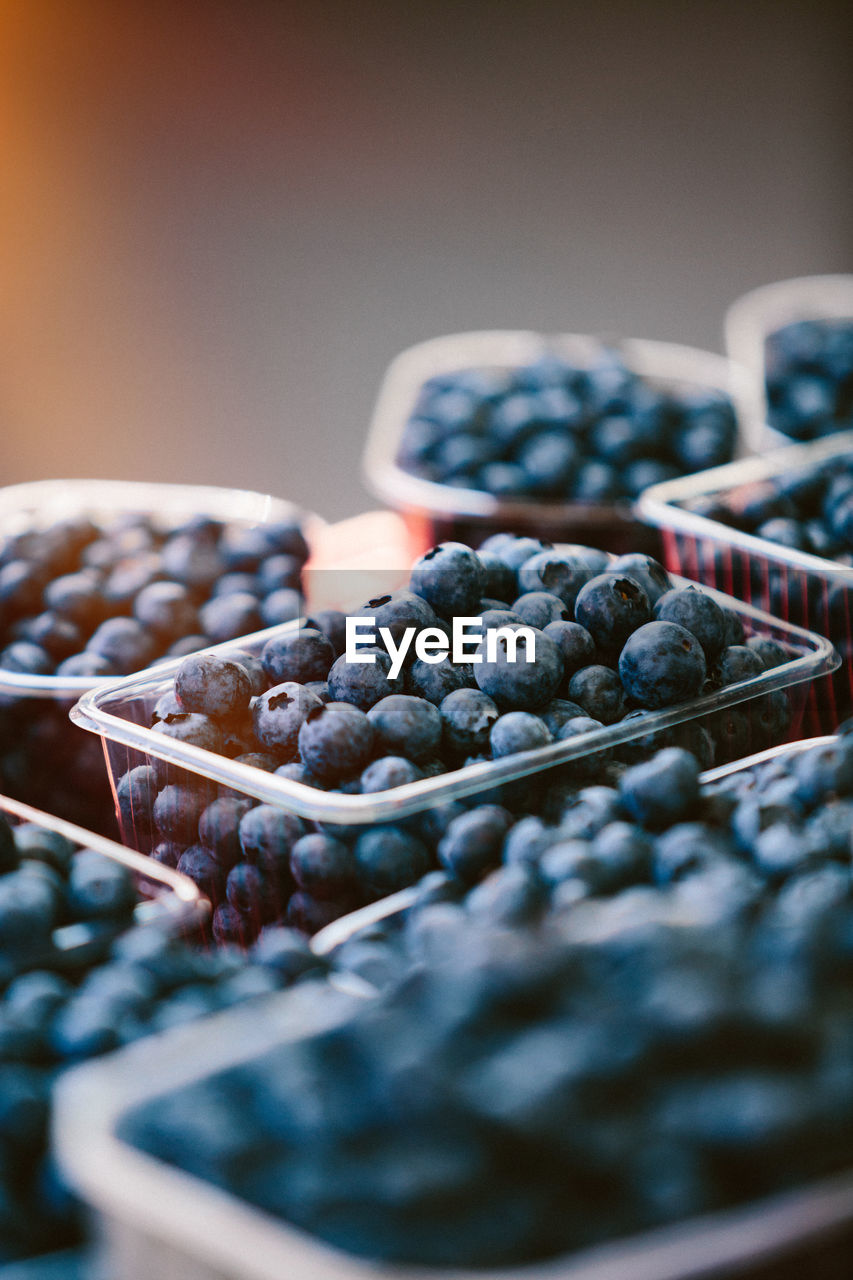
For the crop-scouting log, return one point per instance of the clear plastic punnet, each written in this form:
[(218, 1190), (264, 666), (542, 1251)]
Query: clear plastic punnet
[(756, 712), (154, 1219), (438, 512), (761, 312), (797, 586), (43, 759), (164, 896)]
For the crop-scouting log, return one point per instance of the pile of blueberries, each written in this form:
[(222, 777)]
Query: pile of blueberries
[(660, 1024), (554, 431), (60, 1008), (809, 377), (105, 597), (614, 641)]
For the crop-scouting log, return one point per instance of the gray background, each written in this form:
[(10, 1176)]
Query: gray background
[(219, 222)]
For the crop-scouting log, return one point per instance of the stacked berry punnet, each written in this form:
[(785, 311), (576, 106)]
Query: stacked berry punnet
[(667, 1032), (95, 597), (50, 1020), (553, 431), (809, 377), (612, 641)]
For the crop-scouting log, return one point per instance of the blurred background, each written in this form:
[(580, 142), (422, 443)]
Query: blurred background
[(219, 221)]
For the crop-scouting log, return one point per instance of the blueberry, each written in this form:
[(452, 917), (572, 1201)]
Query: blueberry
[(598, 690), (539, 608), (135, 795), (388, 858), (511, 895), (517, 731), (660, 664), (473, 842), (230, 925), (557, 712), (189, 727), (286, 953), (57, 636), (212, 685), (663, 790), (398, 611), (283, 605), (696, 611), (364, 683), (737, 663), (298, 656), (219, 828), (388, 772), (557, 573), (514, 683), (125, 644), (279, 714), (204, 869), (27, 659), (336, 740), (467, 716), (406, 725), (449, 578), (99, 888), (434, 681), (267, 835), (323, 866), (177, 811), (611, 606), (576, 645)]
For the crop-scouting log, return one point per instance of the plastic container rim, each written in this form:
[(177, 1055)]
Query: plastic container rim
[(66, 497), (665, 362), (660, 506), (393, 804)]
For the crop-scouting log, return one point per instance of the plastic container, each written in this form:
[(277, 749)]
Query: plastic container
[(797, 586), (164, 895), (438, 512), (155, 1220), (43, 759), (763, 311), (121, 713)]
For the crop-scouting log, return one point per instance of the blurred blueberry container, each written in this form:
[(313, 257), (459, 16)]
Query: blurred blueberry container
[(43, 759), (472, 367), (796, 585), (794, 339), (154, 1219), (144, 764)]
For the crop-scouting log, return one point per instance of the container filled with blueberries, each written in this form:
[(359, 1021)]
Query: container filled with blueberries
[(103, 578), (625, 1049), (295, 780), (776, 531), (551, 436), (795, 340)]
